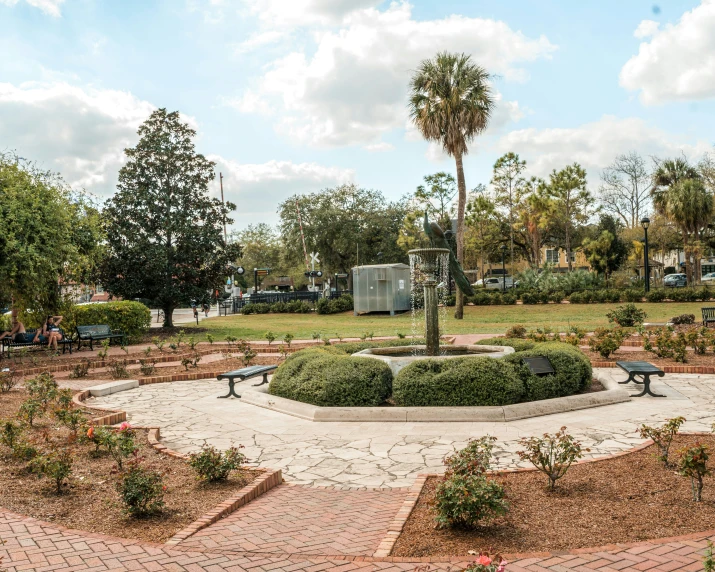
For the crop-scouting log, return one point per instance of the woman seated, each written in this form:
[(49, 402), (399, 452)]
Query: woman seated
[(50, 332), (17, 330)]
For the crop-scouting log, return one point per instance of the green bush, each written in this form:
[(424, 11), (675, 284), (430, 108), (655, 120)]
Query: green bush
[(342, 304), (132, 318), (450, 300), (509, 299), (257, 308), (557, 297), (572, 367), (518, 344), (213, 465), (633, 295), (655, 296), (141, 491), (457, 382), (321, 376), (627, 316), (279, 308), (613, 296), (579, 298), (354, 347), (530, 297), (299, 307), (468, 500)]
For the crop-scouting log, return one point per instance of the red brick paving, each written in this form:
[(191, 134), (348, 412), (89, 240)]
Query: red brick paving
[(305, 520)]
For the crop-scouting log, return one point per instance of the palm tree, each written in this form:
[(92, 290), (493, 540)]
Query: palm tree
[(451, 102), (680, 195)]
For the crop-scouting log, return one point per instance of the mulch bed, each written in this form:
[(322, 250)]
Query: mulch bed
[(625, 499), (90, 501), (627, 355)]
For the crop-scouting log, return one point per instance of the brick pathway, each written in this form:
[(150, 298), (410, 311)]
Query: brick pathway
[(307, 520)]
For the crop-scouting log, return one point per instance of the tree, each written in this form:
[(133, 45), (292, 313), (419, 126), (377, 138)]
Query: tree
[(347, 225), (533, 216), (451, 102), (49, 235), (164, 232), (680, 194), (509, 188), (571, 202), (436, 197), (481, 212), (625, 188)]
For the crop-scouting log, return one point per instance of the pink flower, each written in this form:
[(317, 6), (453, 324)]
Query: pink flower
[(125, 426), (502, 565), (484, 560)]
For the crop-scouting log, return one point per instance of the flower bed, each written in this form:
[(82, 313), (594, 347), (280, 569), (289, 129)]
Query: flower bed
[(627, 498)]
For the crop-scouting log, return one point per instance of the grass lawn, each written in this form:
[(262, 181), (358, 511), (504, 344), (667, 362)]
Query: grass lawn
[(477, 320)]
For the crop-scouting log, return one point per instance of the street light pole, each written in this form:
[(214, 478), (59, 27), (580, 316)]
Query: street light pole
[(645, 223), (503, 268)]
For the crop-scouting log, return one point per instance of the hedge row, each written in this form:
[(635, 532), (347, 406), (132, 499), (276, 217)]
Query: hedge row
[(294, 307), (343, 303), (133, 318), (329, 377)]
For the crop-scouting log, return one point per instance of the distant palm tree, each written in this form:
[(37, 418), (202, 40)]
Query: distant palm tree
[(451, 102), (680, 195)]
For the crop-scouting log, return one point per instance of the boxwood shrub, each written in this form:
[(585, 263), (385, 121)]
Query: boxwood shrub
[(457, 382), (342, 304), (323, 377), (518, 344), (573, 371), (353, 347), (133, 318)]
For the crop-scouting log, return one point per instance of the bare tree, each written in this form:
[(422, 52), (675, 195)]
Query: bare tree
[(625, 188)]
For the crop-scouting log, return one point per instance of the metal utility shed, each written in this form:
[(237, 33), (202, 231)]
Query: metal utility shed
[(381, 288)]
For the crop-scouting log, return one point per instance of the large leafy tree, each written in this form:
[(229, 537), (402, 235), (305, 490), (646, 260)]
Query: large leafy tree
[(509, 188), (435, 197), (484, 226), (50, 235), (346, 225), (164, 232), (451, 102), (571, 203)]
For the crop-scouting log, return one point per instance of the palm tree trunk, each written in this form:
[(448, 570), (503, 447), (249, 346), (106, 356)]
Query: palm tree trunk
[(461, 204)]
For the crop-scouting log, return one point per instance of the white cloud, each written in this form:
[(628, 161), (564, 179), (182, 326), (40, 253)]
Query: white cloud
[(646, 29), (353, 87), (594, 145), (78, 132), (294, 13), (678, 63), (49, 7), (380, 147), (258, 189), (259, 40)]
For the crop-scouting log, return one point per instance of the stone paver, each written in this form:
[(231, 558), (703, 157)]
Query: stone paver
[(308, 520), (389, 454)]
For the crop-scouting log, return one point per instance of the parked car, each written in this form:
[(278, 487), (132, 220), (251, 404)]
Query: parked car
[(495, 282), (709, 277), (675, 281)]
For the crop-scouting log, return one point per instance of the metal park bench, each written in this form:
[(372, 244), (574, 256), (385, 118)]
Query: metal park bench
[(708, 316), (642, 369), (244, 374), (97, 333), (10, 343)]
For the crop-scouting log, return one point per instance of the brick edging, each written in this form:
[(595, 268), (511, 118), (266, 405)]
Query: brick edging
[(698, 369), (403, 514), (111, 417), (259, 486)]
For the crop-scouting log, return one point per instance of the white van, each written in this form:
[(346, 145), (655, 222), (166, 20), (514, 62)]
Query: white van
[(495, 282)]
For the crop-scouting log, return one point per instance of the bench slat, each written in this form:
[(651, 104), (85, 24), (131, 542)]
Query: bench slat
[(638, 367)]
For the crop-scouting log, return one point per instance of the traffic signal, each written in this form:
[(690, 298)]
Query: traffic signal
[(313, 273)]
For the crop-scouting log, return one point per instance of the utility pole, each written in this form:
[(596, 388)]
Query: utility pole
[(225, 238)]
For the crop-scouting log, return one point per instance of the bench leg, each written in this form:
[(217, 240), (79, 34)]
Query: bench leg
[(264, 382), (231, 392), (646, 388), (631, 377)]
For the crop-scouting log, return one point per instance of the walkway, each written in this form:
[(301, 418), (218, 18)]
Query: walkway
[(388, 454)]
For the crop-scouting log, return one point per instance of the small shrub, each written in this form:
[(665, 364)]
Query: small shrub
[(401, 336), (104, 352), (10, 433), (557, 297), (693, 463), (315, 336), (119, 443), (655, 296), (516, 331), (42, 389), (213, 465), (141, 490), (30, 410), (450, 300), (484, 563), (56, 465), (509, 299), (633, 295), (663, 437), (551, 454), (474, 459), (627, 316), (468, 500), (118, 369), (8, 380), (530, 298), (210, 339), (606, 341), (80, 369), (147, 368), (287, 339), (709, 558), (73, 419), (683, 319), (161, 343), (270, 336)]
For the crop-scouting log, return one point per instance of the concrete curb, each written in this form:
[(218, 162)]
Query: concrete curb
[(613, 394)]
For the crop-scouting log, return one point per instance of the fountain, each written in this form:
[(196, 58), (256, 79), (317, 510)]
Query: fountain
[(430, 267)]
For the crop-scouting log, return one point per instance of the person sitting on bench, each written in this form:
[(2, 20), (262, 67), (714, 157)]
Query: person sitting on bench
[(17, 331), (50, 332)]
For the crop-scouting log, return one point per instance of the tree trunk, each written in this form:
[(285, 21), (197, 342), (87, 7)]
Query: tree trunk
[(568, 247), (461, 204), (168, 316)]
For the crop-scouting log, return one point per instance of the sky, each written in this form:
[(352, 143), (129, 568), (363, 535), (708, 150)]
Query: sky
[(294, 96)]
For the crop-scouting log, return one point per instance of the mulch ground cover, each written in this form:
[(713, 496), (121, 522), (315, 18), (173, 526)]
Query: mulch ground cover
[(90, 501), (625, 499), (627, 355)]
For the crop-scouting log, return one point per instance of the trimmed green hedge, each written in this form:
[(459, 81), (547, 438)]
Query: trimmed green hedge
[(323, 377), (573, 371), (342, 304), (519, 344), (354, 347), (133, 318), (457, 382)]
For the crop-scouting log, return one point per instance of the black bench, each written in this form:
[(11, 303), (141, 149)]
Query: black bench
[(11, 342), (244, 374), (643, 369), (96, 333), (708, 316)]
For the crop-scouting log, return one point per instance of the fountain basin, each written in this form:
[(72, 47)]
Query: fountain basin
[(401, 356)]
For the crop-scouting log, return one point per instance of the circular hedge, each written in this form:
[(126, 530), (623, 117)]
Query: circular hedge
[(328, 379), (457, 382), (519, 344)]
